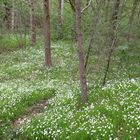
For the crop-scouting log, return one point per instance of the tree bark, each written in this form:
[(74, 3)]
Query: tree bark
[(93, 32), (72, 3), (135, 4), (13, 15), (60, 18), (83, 83), (32, 22), (112, 36), (47, 34), (7, 17)]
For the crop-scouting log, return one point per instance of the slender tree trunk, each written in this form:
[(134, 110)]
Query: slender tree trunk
[(72, 3), (62, 10), (112, 36), (93, 32), (83, 83), (7, 17), (47, 34), (60, 18), (32, 22), (135, 4), (107, 4), (13, 15)]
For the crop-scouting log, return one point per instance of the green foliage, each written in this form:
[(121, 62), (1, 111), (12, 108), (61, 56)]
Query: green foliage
[(112, 111), (123, 47), (12, 42)]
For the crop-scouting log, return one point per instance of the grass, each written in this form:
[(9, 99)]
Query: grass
[(10, 42), (112, 111)]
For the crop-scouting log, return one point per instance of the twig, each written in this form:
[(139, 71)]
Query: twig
[(89, 3)]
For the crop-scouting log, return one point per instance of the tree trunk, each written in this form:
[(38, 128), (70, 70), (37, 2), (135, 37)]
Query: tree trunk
[(13, 15), (72, 3), (32, 22), (47, 34), (83, 83), (60, 18), (93, 31), (112, 36), (7, 17), (135, 4)]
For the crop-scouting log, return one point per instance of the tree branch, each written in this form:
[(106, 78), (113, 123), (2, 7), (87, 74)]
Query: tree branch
[(89, 3)]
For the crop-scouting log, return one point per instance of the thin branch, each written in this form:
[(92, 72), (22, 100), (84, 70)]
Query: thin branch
[(89, 3), (72, 3)]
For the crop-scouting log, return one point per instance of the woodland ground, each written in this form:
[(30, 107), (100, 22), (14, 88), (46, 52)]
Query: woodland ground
[(112, 113)]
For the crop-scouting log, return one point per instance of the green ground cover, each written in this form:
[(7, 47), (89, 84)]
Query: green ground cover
[(113, 111)]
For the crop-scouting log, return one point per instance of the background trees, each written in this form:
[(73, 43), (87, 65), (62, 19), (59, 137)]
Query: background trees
[(32, 21), (91, 51), (82, 71), (47, 34)]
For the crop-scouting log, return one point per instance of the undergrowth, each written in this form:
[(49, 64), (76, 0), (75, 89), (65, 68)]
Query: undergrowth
[(111, 113)]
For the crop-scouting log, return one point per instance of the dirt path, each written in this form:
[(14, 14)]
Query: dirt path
[(33, 110), (8, 50)]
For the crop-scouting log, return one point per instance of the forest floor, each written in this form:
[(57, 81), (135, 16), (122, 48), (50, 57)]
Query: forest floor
[(31, 111), (43, 104)]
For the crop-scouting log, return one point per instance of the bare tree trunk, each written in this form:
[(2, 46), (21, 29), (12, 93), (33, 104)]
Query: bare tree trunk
[(7, 17), (32, 22), (72, 3), (107, 4), (13, 15), (112, 36), (83, 83), (135, 4), (47, 34), (62, 10), (60, 18), (93, 32)]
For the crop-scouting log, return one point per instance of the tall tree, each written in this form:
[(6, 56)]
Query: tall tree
[(13, 15), (112, 35), (32, 22), (60, 18), (83, 82), (47, 34), (7, 17), (134, 8), (72, 3), (93, 30)]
